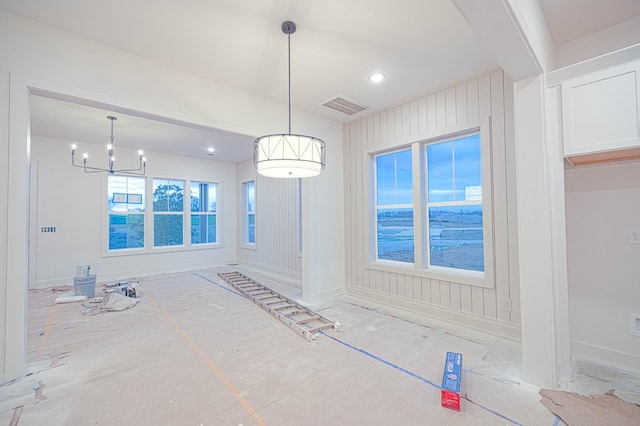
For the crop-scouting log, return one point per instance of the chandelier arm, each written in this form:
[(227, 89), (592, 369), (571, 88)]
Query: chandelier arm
[(140, 170)]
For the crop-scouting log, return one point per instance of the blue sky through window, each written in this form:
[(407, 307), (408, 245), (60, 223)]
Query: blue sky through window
[(394, 182), (453, 168)]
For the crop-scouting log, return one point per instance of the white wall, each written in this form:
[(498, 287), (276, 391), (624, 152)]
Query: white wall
[(74, 203), (602, 202), (600, 43), (4, 201), (443, 296)]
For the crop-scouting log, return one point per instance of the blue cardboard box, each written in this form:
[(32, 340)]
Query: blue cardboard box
[(450, 392)]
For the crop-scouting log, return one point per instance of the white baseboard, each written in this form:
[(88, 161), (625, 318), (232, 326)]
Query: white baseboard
[(133, 274), (290, 277), (606, 357), (412, 307)]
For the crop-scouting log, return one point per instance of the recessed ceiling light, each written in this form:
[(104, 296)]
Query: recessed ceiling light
[(211, 150), (376, 77)]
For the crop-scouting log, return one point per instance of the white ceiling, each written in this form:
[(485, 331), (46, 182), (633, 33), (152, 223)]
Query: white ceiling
[(422, 46)]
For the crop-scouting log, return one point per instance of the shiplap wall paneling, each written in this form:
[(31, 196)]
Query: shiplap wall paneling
[(500, 212), (465, 298), (349, 206), (488, 95), (277, 206), (454, 291), (512, 240)]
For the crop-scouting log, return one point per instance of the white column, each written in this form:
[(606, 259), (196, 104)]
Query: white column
[(534, 235), (15, 318), (323, 251)]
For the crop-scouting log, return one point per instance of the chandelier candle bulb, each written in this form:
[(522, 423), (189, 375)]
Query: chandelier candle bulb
[(140, 170)]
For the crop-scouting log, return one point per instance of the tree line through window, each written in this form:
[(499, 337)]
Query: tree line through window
[(126, 206)]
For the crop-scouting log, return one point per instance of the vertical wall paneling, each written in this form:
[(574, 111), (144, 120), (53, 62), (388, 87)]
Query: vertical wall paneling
[(422, 116), (401, 284), (426, 289), (444, 294), (473, 103), (393, 284), (487, 98), (484, 96), (465, 298), (276, 222), (406, 120), (435, 292), (417, 288), (398, 123), (512, 241), (432, 112), (353, 164), (349, 193), (501, 233), (455, 296), (461, 103), (450, 107), (477, 300), (441, 109)]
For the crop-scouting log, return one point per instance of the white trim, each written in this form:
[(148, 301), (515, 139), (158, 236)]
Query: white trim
[(598, 354), (407, 307)]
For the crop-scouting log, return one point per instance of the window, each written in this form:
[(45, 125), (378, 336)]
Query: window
[(249, 212), (454, 204), (299, 215), (447, 193), (168, 212), (203, 213), (394, 206), (125, 207)]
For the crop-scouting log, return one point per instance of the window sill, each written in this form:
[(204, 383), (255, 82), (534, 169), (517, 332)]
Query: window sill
[(476, 279), (163, 249)]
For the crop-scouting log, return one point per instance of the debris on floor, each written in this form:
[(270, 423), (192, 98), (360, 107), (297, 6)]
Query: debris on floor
[(38, 387), (594, 410), (70, 297), (111, 302), (126, 288)]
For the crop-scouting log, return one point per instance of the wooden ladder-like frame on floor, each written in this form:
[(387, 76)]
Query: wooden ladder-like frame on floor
[(302, 320)]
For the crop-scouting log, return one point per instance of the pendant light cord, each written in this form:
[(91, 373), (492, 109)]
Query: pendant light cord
[(289, 62)]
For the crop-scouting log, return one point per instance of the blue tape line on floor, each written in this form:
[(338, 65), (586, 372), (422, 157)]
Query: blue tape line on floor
[(412, 374), (218, 284)]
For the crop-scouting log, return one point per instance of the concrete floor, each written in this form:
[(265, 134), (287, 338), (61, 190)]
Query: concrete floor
[(195, 352)]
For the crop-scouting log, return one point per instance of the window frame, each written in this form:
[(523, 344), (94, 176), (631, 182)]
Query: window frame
[(418, 268), (217, 242), (246, 213), (378, 207), (427, 203), (107, 251), (155, 213)]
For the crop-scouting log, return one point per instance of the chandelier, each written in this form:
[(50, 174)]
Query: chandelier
[(142, 161), (289, 155)]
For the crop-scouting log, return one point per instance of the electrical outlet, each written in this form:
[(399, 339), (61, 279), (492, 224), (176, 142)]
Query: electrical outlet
[(506, 305), (634, 324), (633, 236)]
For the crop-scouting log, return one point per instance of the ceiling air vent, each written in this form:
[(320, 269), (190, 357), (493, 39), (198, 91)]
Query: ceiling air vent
[(343, 105)]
